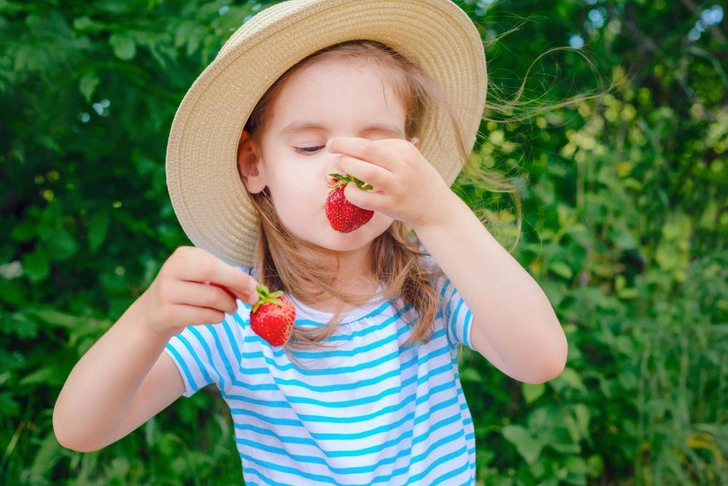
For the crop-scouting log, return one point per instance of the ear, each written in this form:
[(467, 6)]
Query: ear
[(249, 164)]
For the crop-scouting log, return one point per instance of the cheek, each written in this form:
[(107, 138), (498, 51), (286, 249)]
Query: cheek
[(294, 208), (297, 200)]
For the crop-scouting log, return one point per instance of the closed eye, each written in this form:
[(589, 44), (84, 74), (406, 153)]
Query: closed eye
[(309, 150)]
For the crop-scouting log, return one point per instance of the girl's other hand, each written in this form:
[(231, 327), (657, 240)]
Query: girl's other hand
[(194, 287), (406, 186)]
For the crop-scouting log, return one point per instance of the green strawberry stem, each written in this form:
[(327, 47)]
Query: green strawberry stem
[(265, 296), (344, 180)]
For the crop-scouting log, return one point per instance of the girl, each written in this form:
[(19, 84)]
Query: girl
[(367, 391)]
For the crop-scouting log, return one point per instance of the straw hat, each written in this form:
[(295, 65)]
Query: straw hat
[(208, 196)]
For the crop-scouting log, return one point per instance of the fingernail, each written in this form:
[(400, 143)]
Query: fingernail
[(252, 286), (337, 160)]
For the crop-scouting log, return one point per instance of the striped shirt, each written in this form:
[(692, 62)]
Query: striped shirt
[(365, 410)]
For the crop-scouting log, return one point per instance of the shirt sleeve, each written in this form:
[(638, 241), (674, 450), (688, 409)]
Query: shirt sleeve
[(206, 355), (455, 313)]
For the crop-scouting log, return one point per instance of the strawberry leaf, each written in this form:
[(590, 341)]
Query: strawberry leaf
[(344, 180)]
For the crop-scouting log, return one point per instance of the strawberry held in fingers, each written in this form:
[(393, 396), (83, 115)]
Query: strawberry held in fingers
[(272, 317), (342, 214)]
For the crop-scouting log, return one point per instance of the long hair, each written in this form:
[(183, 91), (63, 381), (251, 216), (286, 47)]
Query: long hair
[(397, 261)]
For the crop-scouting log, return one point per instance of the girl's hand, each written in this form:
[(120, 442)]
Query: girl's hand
[(193, 287), (406, 186)]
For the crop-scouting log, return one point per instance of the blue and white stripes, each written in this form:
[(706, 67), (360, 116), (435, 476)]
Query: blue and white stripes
[(366, 410)]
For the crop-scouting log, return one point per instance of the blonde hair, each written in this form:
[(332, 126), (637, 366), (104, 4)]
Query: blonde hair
[(397, 262)]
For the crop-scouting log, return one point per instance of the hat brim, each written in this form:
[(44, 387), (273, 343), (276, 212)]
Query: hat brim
[(205, 188)]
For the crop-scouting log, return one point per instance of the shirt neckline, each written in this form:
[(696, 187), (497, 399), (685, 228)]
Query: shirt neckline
[(307, 313)]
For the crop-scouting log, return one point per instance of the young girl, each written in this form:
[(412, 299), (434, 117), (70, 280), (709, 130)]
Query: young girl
[(367, 390)]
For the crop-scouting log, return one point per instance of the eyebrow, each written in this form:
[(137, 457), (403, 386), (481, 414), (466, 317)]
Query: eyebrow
[(301, 126)]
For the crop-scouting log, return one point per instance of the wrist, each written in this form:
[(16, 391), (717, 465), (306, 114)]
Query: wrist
[(443, 213), (141, 320)]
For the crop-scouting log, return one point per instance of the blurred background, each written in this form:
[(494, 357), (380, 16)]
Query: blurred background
[(613, 125)]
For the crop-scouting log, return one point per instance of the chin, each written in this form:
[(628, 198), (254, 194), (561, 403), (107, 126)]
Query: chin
[(353, 241), (328, 238), (356, 240)]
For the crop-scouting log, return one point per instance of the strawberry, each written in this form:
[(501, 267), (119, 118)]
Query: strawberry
[(343, 215), (272, 317)]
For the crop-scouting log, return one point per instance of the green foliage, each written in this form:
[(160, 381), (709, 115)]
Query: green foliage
[(625, 199), (625, 226)]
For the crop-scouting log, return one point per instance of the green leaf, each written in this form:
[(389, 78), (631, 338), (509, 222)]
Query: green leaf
[(82, 23), (117, 7), (628, 293), (571, 378), (53, 317), (582, 414), (564, 439), (150, 432), (555, 290), (561, 269), (528, 447), (46, 458), (50, 375), (36, 265), (470, 375), (124, 46), (83, 331), (707, 220), (20, 325), (87, 85), (182, 33), (629, 381), (532, 392), (25, 231), (624, 239), (596, 466), (9, 405), (577, 465), (62, 246), (98, 228)]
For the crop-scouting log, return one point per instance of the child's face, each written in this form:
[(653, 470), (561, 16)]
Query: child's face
[(330, 98)]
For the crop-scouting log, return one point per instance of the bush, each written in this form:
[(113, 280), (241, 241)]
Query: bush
[(625, 223)]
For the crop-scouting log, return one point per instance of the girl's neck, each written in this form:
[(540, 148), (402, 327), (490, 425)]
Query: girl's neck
[(354, 276)]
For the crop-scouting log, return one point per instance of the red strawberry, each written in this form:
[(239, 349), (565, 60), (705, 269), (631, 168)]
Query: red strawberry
[(343, 215), (272, 317)]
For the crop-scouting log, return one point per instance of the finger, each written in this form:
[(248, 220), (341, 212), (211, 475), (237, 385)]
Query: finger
[(198, 316), (374, 152), (204, 295), (373, 201), (378, 177), (197, 265)]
